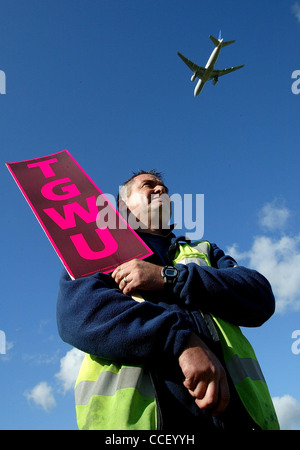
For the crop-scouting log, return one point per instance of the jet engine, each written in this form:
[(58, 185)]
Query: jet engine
[(194, 76), (215, 80)]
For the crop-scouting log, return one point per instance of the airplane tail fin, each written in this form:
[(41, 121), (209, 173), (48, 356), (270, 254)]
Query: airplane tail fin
[(217, 41)]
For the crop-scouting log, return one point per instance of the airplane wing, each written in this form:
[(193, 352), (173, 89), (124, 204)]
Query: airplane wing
[(194, 68), (219, 73)]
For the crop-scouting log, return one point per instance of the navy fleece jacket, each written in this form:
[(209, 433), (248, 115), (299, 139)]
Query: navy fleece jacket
[(96, 317)]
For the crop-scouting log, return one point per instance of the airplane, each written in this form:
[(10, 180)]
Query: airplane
[(208, 72)]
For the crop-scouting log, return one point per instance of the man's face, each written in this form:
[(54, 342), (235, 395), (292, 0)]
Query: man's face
[(148, 200)]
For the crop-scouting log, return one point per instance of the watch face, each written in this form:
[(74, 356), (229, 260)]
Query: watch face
[(170, 272)]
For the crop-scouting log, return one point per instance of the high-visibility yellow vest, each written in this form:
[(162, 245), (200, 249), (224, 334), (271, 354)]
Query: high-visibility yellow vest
[(109, 396), (239, 356)]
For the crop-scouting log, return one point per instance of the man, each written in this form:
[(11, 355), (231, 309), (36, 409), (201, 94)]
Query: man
[(171, 332)]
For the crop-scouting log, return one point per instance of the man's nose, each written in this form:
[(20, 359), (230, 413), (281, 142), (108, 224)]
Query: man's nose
[(159, 189)]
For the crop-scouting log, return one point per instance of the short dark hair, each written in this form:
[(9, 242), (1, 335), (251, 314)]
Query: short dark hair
[(153, 172)]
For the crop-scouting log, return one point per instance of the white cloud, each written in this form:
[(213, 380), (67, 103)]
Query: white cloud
[(42, 396), (69, 368), (288, 412), (274, 216), (279, 261), (296, 10), (277, 258)]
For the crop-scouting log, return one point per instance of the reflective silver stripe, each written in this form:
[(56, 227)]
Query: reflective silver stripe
[(202, 247), (108, 383), (241, 368), (197, 260)]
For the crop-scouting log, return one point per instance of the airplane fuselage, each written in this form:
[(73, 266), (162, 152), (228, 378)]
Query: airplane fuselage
[(209, 68)]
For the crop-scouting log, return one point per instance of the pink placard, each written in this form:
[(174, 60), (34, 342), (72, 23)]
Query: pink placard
[(68, 205)]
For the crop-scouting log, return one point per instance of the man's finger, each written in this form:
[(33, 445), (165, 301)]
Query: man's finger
[(199, 391), (118, 269), (210, 399), (118, 274)]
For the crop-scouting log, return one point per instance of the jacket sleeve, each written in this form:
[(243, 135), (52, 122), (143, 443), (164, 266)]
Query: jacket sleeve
[(234, 293), (96, 317)]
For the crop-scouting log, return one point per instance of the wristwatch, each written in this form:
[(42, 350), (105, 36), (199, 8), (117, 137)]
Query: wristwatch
[(169, 274)]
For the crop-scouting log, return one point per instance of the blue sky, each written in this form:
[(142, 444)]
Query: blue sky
[(103, 80)]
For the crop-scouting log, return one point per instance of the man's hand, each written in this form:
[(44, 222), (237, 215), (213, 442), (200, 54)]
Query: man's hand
[(205, 377), (139, 275)]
